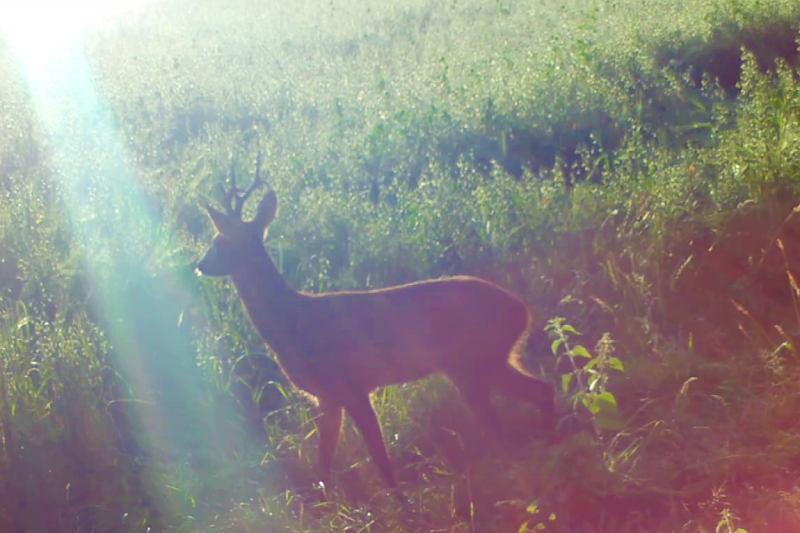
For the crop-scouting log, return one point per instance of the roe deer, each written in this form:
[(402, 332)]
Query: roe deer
[(339, 347)]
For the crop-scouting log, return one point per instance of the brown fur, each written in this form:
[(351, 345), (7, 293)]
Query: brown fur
[(339, 347)]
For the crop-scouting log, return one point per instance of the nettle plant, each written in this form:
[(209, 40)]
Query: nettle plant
[(586, 383)]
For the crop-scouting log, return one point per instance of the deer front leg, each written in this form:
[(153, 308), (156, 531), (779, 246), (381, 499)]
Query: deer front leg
[(329, 425), (360, 408)]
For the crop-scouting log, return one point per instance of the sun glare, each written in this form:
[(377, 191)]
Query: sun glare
[(38, 29), (89, 161)]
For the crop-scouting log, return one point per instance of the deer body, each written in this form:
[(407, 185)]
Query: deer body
[(387, 336), (339, 347)]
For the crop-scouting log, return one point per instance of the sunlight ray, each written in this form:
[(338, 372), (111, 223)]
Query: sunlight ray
[(112, 222)]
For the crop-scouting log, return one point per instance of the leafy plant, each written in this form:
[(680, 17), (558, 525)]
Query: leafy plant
[(586, 383)]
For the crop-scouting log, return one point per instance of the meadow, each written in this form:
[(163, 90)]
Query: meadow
[(630, 168)]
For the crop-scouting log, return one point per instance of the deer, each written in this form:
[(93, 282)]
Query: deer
[(339, 347)]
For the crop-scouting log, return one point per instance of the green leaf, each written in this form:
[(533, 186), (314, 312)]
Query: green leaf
[(570, 329), (566, 379), (532, 508), (589, 401), (607, 402), (580, 351), (556, 345), (553, 323), (616, 364)]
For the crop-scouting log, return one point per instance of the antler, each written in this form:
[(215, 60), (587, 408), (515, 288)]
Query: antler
[(235, 203)]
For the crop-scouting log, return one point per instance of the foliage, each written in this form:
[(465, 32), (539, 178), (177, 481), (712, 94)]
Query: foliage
[(590, 379), (631, 166)]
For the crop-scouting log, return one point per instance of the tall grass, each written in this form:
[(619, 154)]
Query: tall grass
[(608, 161)]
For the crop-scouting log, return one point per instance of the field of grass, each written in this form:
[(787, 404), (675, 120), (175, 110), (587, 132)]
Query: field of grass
[(630, 168)]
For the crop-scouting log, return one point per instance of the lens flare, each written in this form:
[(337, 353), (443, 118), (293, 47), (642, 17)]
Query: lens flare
[(112, 221)]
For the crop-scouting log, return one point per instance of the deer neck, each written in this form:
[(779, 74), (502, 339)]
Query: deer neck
[(268, 298)]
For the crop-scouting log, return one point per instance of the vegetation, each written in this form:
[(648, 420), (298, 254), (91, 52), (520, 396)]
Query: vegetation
[(629, 168)]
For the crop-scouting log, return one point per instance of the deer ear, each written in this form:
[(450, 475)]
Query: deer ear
[(266, 210), (222, 222)]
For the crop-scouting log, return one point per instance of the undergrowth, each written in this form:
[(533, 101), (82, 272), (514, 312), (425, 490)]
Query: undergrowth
[(628, 168)]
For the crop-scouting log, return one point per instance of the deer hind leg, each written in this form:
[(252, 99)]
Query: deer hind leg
[(360, 409), (476, 391), (329, 425), (512, 382)]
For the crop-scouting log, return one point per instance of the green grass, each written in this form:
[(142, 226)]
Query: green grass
[(580, 154)]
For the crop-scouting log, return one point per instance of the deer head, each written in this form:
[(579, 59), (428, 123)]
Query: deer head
[(236, 238)]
